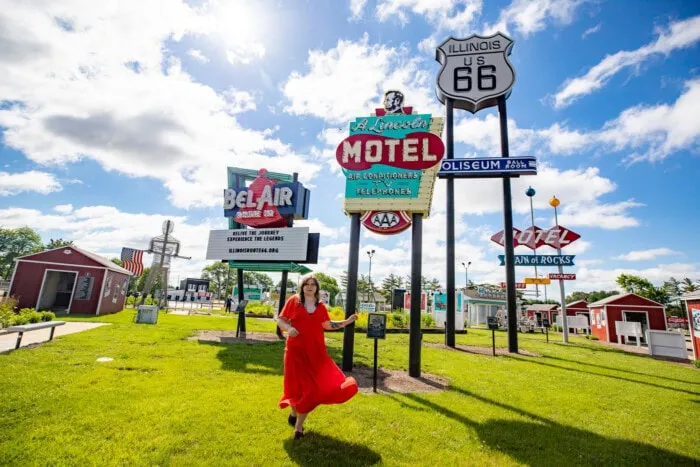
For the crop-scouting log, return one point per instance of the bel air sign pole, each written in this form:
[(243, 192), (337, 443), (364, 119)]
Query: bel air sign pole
[(476, 74)]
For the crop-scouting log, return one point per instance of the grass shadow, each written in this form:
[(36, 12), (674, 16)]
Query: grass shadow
[(315, 449), (618, 369), (263, 359), (620, 378), (542, 442)]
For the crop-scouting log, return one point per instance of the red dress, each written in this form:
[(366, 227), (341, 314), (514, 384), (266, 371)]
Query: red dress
[(311, 377)]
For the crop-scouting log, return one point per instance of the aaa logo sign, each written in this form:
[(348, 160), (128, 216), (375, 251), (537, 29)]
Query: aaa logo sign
[(386, 222)]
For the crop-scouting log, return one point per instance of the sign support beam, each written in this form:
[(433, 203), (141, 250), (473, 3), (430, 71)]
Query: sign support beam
[(351, 302), (450, 148), (508, 228), (415, 336)]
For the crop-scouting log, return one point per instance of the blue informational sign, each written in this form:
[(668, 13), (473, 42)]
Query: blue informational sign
[(473, 168), (540, 260)]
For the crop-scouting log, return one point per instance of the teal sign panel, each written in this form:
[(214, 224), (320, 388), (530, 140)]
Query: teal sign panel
[(393, 126), (381, 181)]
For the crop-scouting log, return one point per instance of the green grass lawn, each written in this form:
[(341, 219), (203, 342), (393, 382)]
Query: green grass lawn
[(168, 400)]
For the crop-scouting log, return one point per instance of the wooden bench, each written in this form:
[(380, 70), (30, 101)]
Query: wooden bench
[(22, 328)]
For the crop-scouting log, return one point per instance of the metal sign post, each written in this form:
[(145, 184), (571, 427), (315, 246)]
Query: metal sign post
[(476, 74), (376, 329)]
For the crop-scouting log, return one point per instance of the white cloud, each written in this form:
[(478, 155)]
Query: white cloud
[(651, 132), (100, 85), (105, 230), (679, 35), (40, 182), (645, 255), (198, 55), (658, 130), (317, 226), (63, 208), (530, 16), (238, 101), (349, 80), (591, 30), (356, 8)]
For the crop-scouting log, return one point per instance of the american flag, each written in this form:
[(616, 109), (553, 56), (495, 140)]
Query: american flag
[(132, 260)]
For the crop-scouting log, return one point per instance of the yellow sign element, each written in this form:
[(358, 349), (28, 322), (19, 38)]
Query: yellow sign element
[(538, 280)]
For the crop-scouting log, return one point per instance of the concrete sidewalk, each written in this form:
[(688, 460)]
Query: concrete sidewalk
[(8, 341)]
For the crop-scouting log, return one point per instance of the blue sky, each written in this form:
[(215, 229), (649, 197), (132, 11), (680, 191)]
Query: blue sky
[(115, 118)]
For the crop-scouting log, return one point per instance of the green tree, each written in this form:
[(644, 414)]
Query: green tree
[(258, 278), (590, 297), (390, 282), (328, 284), (433, 285), (58, 243), (219, 275), (690, 286), (291, 285), (141, 282), (641, 286), (15, 243), (117, 261)]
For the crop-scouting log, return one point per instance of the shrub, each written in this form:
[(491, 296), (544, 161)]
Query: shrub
[(696, 363), (336, 313), (593, 338), (47, 316), (362, 320), (260, 308), (426, 320), (31, 314), (397, 319)]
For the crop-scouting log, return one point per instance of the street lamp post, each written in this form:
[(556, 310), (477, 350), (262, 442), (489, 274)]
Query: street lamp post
[(466, 274), (554, 202), (530, 192), (466, 286), (371, 289)]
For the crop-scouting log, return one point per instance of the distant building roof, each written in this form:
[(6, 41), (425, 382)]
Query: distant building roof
[(614, 298), (690, 295), (542, 306)]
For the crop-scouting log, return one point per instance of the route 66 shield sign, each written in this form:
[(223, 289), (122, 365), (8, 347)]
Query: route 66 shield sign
[(475, 71)]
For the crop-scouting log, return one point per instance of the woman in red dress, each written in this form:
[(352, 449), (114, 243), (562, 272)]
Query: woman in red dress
[(311, 377)]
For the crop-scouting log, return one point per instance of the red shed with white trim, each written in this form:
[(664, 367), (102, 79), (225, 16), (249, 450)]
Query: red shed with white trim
[(626, 307), (542, 310), (692, 305), (69, 279)]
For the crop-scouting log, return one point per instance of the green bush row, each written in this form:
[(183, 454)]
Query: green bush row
[(8, 317)]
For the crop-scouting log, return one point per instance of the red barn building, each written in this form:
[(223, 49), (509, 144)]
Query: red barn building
[(69, 279), (538, 311), (579, 307), (692, 305), (625, 307)]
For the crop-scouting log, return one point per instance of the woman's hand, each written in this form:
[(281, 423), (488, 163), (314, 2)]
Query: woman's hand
[(293, 332), (353, 318)]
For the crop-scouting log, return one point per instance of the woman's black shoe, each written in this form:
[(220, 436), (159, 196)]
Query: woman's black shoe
[(292, 420), (298, 434)]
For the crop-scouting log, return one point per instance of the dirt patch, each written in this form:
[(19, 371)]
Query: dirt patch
[(396, 381), (229, 337), (481, 350)]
